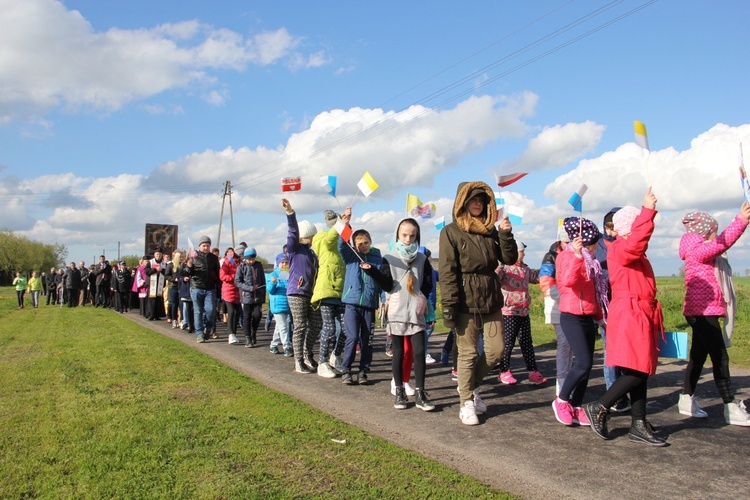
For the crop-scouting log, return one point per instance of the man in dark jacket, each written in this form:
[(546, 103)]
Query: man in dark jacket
[(203, 269), (470, 250), (51, 289), (83, 294), (72, 280), (103, 275)]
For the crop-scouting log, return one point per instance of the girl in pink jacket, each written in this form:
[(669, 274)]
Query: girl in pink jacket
[(709, 295)]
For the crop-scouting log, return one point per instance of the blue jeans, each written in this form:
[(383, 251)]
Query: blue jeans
[(204, 310)]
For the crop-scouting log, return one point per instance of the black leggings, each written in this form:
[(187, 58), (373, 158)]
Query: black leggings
[(633, 382), (417, 346), (233, 316), (580, 331), (708, 341)]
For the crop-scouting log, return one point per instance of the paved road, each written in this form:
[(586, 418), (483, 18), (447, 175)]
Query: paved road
[(519, 446)]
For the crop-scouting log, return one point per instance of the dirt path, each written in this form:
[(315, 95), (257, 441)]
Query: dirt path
[(519, 446)]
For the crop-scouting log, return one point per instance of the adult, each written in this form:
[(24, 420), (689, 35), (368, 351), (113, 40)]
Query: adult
[(103, 275), (72, 281), (83, 292), (51, 288), (171, 276), (20, 283), (470, 249), (156, 278), (634, 323), (35, 288), (709, 297), (122, 282), (203, 269)]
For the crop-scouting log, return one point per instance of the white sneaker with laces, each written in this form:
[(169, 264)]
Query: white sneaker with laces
[(468, 414), (690, 406), (325, 371), (233, 339), (429, 360), (479, 405), (174, 323), (735, 413), (409, 389)]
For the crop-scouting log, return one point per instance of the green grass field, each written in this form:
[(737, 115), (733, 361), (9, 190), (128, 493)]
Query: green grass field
[(95, 406)]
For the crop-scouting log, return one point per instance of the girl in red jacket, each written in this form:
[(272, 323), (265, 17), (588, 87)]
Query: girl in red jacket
[(583, 300), (634, 323)]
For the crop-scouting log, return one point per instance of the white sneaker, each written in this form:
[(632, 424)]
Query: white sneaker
[(325, 371), (336, 363), (174, 323), (429, 360), (735, 413), (468, 414), (233, 339), (393, 387), (409, 389), (479, 405), (689, 405)]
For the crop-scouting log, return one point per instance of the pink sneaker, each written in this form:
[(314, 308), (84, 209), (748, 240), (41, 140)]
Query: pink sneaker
[(536, 378), (563, 411), (507, 378), (579, 416)]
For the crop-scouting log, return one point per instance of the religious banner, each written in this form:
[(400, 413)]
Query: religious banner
[(163, 236)]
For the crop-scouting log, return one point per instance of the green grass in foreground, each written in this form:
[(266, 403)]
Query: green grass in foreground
[(92, 405)]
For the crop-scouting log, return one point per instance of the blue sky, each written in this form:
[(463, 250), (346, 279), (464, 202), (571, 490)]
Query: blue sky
[(114, 114)]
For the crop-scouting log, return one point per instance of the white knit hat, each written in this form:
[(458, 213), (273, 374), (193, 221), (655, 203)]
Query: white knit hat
[(306, 229)]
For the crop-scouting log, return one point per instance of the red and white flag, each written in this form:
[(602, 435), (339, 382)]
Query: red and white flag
[(344, 230), (507, 180), (291, 184)]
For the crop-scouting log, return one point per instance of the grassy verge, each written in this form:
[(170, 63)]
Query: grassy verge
[(92, 405)]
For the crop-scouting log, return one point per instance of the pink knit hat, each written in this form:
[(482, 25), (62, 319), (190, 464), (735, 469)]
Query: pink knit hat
[(624, 218), (700, 223)]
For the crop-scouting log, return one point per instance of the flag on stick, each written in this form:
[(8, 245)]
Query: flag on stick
[(291, 184), (328, 183), (640, 135), (344, 230), (191, 249), (416, 208), (500, 202), (576, 200), (515, 215), (367, 184), (507, 180), (743, 176), (439, 223)]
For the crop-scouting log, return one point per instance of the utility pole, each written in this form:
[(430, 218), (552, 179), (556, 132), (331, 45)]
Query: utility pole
[(227, 193)]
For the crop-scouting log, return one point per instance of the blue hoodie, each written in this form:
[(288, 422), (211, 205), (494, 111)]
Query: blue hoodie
[(359, 288)]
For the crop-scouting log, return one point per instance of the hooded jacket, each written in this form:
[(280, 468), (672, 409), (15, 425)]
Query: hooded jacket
[(330, 281), (470, 249), (359, 288), (303, 263), (251, 281), (229, 291)]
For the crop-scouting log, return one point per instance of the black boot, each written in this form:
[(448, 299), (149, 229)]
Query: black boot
[(643, 432), (598, 415), (401, 401)]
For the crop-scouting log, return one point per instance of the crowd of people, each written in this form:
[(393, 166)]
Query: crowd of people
[(326, 289)]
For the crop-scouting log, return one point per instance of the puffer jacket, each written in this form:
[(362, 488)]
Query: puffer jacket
[(577, 289), (277, 301), (251, 280), (548, 285), (229, 291), (359, 288), (204, 273), (329, 283), (303, 263), (703, 295), (468, 258)]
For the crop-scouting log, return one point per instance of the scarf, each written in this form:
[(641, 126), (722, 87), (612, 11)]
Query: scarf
[(723, 273), (406, 253), (594, 272)]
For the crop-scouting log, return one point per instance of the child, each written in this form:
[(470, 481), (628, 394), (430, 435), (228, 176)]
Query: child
[(709, 295), (360, 298), (303, 267), (406, 274), (229, 291), (515, 281), (634, 324), (276, 283), (251, 281)]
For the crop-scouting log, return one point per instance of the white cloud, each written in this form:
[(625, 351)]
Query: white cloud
[(52, 57), (704, 176), (557, 146)]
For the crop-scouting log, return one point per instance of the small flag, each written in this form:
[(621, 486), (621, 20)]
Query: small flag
[(367, 184), (328, 183), (576, 200), (507, 180), (743, 176), (439, 223), (291, 184), (640, 135), (500, 202), (191, 249), (344, 230), (416, 208), (515, 215)]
